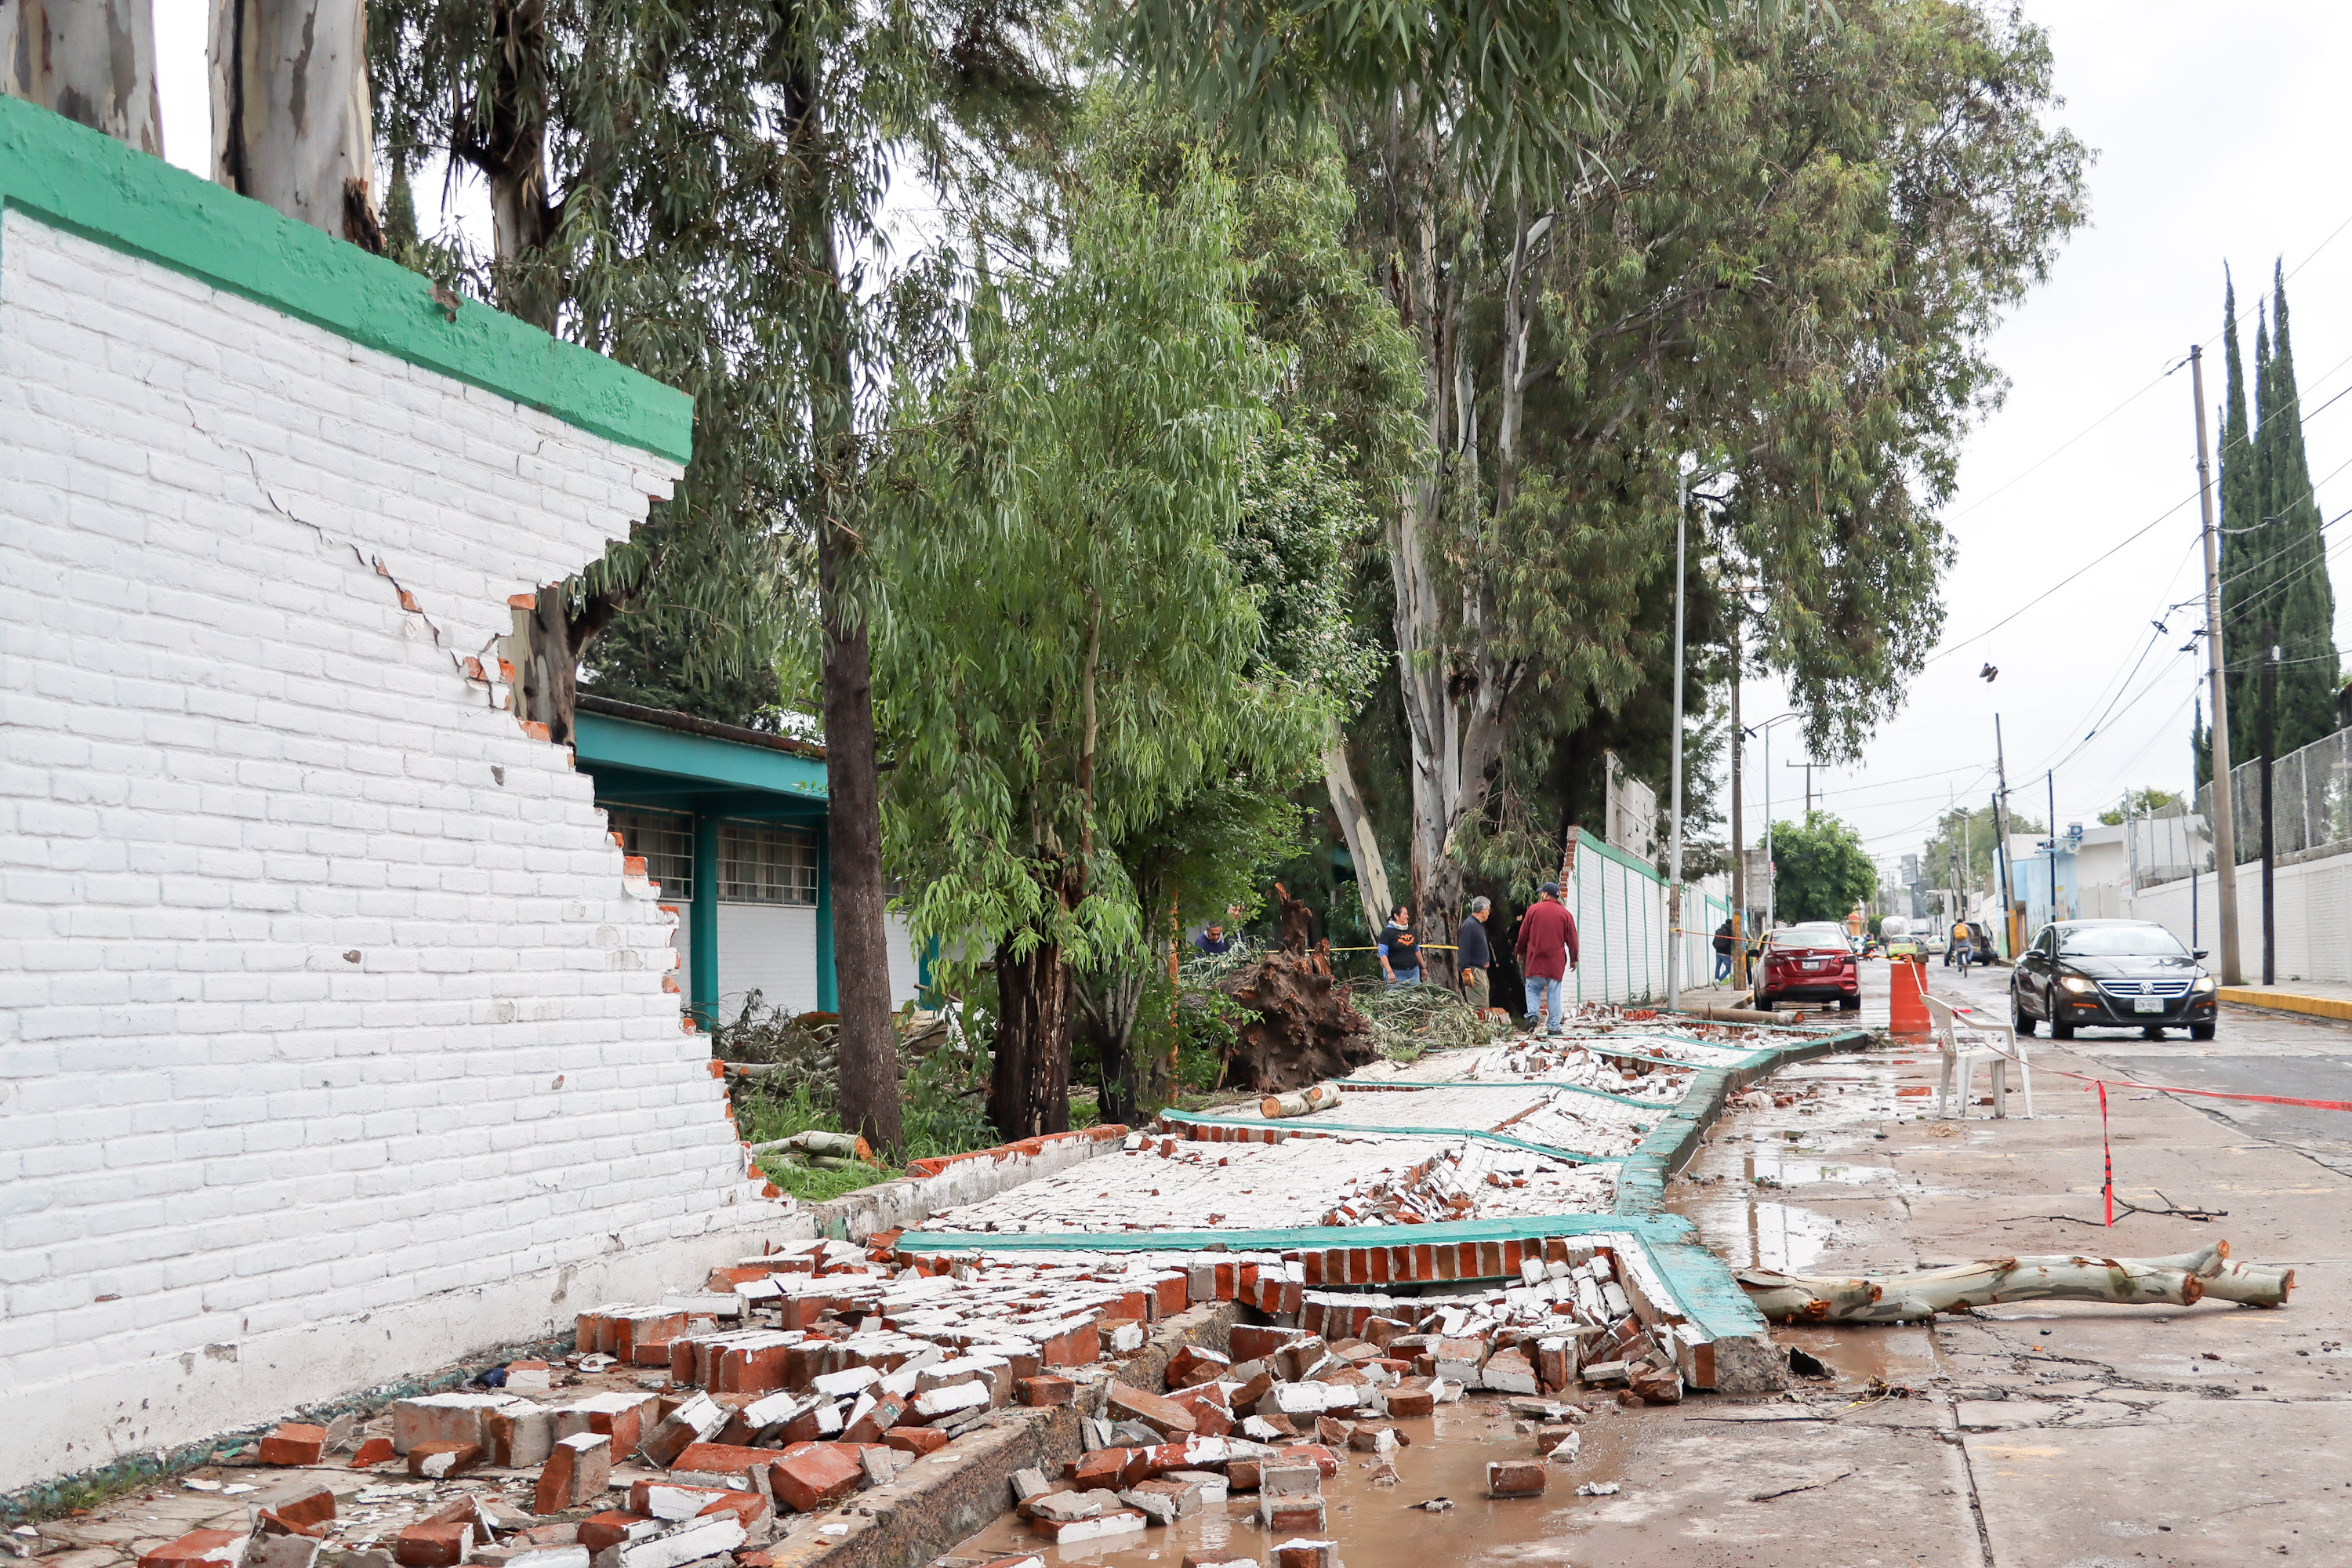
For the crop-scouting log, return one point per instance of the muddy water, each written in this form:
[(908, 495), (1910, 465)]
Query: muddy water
[(1377, 1525)]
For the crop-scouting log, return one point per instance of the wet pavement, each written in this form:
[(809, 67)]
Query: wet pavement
[(2063, 1435)]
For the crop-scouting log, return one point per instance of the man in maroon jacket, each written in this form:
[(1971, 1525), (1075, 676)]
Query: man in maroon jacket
[(1546, 948)]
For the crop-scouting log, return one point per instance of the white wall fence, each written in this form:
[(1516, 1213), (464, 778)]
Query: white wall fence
[(2313, 899), (1620, 906)]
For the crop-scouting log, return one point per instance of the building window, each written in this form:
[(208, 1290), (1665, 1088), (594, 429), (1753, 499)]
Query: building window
[(760, 865), (667, 844)]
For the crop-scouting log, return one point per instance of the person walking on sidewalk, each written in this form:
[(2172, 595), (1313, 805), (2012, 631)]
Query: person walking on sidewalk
[(1723, 940), (1546, 948), (1400, 949), (1472, 957)]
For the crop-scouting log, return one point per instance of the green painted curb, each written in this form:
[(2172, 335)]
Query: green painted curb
[(75, 178)]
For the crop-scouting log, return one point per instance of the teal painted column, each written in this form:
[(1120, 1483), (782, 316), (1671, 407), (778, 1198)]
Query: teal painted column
[(828, 984), (923, 968), (702, 924)]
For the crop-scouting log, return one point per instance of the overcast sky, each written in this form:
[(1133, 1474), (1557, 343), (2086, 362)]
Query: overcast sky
[(2217, 141)]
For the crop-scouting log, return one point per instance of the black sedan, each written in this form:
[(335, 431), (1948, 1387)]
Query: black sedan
[(2116, 974)]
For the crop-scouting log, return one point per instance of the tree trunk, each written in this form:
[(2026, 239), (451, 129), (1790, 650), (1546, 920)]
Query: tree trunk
[(292, 121), (2180, 1281), (93, 61), (512, 156), (1356, 827), (1029, 1080), (869, 1054), (1131, 1081)]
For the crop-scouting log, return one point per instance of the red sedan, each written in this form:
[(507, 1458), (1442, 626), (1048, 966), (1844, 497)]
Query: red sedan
[(1812, 961)]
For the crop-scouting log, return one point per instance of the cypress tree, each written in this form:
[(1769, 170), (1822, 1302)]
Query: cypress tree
[(2298, 598), (2244, 551)]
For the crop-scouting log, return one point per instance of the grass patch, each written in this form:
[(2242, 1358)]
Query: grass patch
[(812, 1185)]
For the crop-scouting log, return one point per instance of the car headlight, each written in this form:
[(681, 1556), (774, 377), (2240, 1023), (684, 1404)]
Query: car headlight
[(2076, 983), (2204, 984)]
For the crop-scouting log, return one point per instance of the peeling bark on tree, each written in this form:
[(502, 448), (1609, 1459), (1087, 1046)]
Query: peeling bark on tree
[(1356, 829), (2180, 1281), (93, 61), (292, 119), (1307, 1028)]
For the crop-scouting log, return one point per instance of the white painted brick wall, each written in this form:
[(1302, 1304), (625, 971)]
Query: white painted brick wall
[(229, 758)]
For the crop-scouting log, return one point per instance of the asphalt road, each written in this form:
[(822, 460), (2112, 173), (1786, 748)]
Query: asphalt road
[(2254, 1051)]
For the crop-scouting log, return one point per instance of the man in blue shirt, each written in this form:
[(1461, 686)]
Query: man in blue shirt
[(1400, 949)]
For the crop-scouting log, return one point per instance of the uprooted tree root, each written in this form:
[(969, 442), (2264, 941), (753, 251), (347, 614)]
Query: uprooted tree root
[(2180, 1281), (1307, 1028)]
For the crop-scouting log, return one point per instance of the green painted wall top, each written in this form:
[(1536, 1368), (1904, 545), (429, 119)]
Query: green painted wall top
[(79, 180)]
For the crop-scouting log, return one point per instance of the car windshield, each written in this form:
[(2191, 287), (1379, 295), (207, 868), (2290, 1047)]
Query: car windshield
[(2120, 942), (1810, 936)]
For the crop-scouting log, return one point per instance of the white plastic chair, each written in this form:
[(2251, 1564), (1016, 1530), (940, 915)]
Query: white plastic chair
[(1960, 1061)]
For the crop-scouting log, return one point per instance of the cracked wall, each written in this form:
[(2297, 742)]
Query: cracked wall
[(334, 1041)]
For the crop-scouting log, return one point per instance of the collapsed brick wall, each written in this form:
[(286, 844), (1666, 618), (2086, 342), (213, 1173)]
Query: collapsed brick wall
[(335, 1040)]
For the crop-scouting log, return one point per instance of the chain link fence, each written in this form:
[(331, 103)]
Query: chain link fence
[(2311, 800)]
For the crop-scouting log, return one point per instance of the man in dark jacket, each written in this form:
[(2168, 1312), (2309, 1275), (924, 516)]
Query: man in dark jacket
[(1472, 957), (1723, 951), (1546, 948)]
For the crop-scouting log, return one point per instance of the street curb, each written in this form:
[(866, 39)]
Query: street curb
[(2286, 1002), (1746, 1361)]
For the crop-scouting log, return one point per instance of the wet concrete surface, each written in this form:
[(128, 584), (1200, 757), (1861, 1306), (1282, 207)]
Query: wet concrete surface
[(2059, 1435)]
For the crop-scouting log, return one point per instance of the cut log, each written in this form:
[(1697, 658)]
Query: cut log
[(2178, 1281), (1305, 1102), (1743, 1015)]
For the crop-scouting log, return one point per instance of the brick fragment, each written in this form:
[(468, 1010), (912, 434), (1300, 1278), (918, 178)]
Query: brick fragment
[(807, 1477), (301, 1504), (1287, 1513), (1046, 1389), (372, 1453), (1517, 1478), (1117, 1522), (1062, 1507), (722, 1460), (432, 1545), (198, 1549), (282, 1552), (293, 1443), (1305, 1553), (916, 1440), (439, 1461), (578, 1469), (611, 1528), (1109, 1469), (1162, 1414), (1193, 1365)]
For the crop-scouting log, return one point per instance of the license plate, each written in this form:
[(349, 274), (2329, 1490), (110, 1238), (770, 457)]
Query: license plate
[(1813, 963), (2148, 1005)]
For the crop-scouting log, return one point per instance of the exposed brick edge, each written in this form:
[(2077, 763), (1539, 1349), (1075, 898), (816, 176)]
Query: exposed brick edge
[(931, 1165)]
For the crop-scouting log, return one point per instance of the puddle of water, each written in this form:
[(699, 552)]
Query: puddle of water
[(1904, 1354), (1377, 1526), (1796, 1166), (1748, 1232)]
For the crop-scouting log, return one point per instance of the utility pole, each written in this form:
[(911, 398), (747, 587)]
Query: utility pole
[(1809, 765), (2007, 883), (2052, 777), (1739, 837), (2270, 744), (1675, 875), (2224, 826)]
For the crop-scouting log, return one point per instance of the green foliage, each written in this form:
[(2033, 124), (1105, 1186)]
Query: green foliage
[(2139, 801), (1072, 655), (1821, 870), (1964, 835), (2275, 590)]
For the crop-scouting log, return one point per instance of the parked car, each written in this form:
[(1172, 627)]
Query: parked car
[(1932, 941), (1809, 961), (2119, 975)]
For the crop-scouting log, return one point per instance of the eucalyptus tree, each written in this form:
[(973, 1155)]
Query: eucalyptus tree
[(292, 119), (93, 61), (696, 189), (1069, 660)]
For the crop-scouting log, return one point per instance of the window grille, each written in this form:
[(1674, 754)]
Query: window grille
[(761, 864), (667, 844)]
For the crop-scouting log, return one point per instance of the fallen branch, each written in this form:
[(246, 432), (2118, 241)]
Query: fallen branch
[(2179, 1281)]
